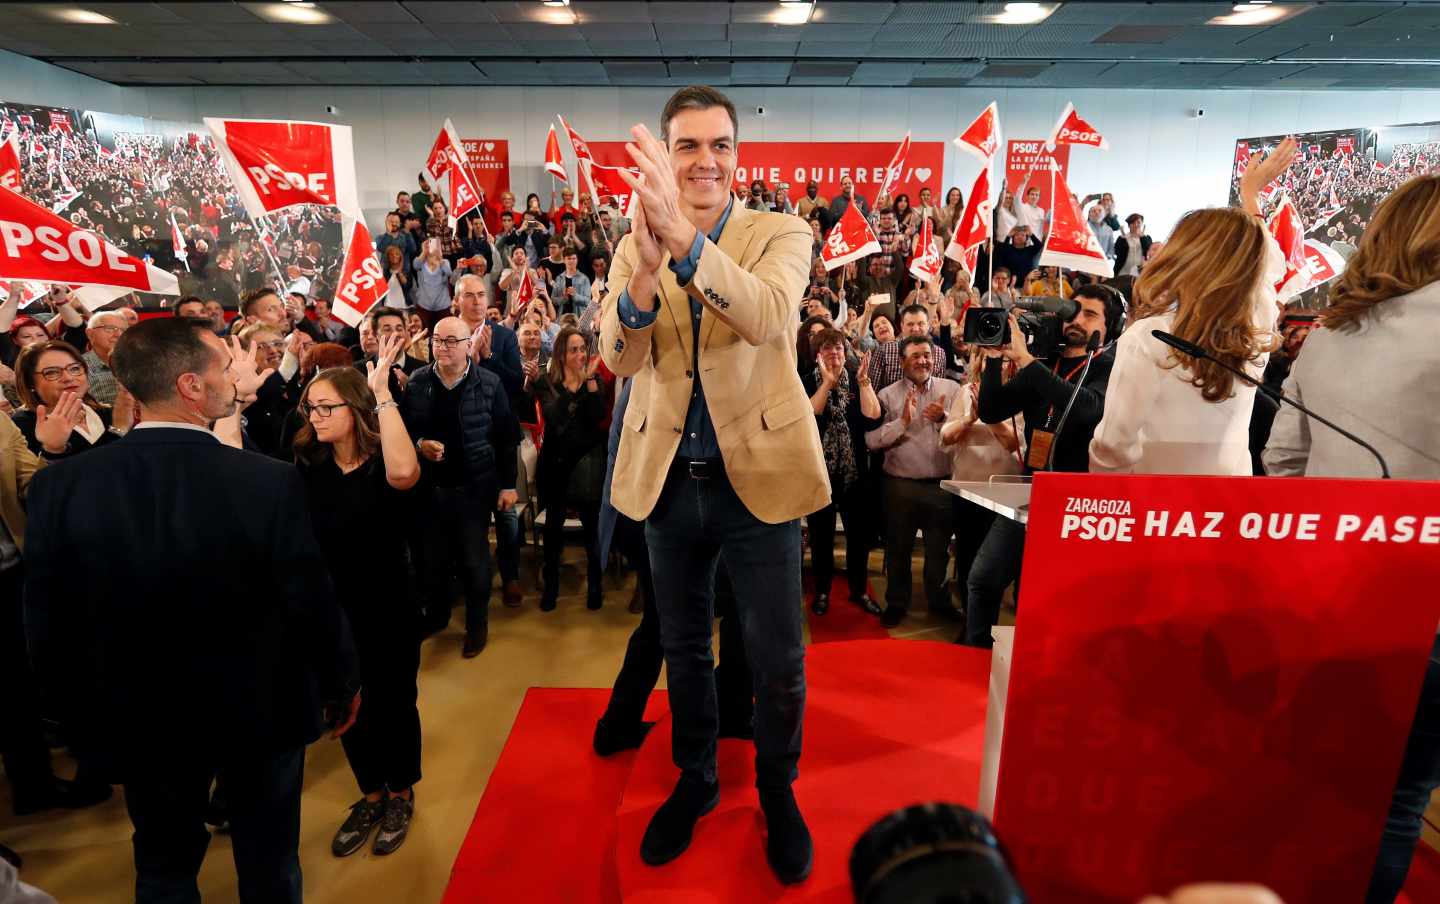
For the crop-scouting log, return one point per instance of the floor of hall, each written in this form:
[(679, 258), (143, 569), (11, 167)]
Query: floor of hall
[(467, 708)]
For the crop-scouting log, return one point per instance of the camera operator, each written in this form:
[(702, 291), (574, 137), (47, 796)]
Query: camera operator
[(1040, 389)]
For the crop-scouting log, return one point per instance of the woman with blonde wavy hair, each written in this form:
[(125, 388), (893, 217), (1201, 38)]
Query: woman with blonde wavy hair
[(1213, 285), (1372, 370)]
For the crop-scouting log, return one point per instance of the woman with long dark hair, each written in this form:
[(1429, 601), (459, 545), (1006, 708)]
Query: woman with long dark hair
[(358, 463), (572, 458), (950, 214), (49, 376)]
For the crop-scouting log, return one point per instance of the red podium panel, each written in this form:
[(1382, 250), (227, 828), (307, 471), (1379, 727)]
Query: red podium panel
[(1213, 679)]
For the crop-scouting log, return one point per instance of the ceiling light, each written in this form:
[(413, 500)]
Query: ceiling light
[(555, 2), (292, 13), (1258, 14), (1023, 13), (83, 17), (793, 12)]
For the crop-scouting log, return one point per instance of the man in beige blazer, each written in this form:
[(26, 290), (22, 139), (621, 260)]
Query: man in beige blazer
[(719, 453)]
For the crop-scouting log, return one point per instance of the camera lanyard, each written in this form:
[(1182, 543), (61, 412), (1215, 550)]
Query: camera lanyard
[(1050, 418)]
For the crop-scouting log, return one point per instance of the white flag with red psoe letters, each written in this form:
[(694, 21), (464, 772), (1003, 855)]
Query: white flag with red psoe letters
[(896, 169), (554, 163), (362, 281), (925, 260), (849, 240), (973, 228)]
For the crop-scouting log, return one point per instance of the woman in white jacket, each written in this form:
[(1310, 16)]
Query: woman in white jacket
[(1213, 285)]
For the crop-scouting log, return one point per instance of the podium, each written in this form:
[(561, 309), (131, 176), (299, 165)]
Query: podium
[(1209, 679)]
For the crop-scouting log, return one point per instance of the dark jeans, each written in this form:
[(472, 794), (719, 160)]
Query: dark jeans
[(1419, 777), (556, 506), (734, 685), (457, 537), (167, 808), (694, 523), (972, 526), (822, 543), (23, 749), (997, 566), (507, 545), (383, 746), (912, 505)]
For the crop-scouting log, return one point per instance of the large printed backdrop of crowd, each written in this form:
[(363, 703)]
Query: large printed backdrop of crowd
[(158, 192), (1337, 180)]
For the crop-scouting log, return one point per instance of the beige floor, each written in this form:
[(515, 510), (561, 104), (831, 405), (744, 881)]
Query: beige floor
[(467, 708)]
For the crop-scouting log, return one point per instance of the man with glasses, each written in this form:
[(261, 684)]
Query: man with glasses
[(384, 323), (102, 332), (467, 436), (495, 347)]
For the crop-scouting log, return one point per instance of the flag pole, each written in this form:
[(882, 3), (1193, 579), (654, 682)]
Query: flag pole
[(990, 245)]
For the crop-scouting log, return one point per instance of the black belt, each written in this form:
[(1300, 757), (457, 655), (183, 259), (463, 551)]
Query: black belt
[(700, 468)]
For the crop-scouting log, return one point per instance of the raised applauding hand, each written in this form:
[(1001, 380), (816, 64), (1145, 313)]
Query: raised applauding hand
[(243, 370), (377, 372), (53, 426), (862, 373), (659, 195)]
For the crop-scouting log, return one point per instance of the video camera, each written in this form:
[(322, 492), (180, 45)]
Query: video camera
[(1042, 319)]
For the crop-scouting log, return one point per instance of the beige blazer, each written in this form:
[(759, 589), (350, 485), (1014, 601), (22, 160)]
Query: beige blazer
[(750, 287), (17, 465)]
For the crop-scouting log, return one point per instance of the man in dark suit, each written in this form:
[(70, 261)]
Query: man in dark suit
[(167, 670), (386, 322)]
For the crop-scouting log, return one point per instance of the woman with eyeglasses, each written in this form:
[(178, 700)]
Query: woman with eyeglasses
[(358, 463), (59, 417)]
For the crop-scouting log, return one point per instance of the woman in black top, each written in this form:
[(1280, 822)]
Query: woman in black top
[(46, 376), (572, 457), (358, 462), (845, 408)]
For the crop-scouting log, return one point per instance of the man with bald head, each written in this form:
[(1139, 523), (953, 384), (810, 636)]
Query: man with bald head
[(102, 332), (460, 416)]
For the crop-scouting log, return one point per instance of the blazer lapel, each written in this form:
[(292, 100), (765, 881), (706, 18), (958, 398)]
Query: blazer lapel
[(734, 241), (677, 305)]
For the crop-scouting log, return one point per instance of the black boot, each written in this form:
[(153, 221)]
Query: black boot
[(672, 826), (595, 598), (475, 641), (611, 738), (787, 844)]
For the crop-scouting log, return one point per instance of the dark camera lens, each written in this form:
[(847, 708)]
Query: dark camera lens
[(990, 328)]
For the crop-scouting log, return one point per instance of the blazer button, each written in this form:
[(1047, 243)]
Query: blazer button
[(689, 375)]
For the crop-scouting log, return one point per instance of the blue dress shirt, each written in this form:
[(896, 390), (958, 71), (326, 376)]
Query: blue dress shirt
[(698, 441)]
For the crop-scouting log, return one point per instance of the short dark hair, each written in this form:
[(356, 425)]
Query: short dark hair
[(999, 271), (827, 336), (253, 298), (696, 97), (1115, 307), (151, 356), (914, 309), (908, 341), (188, 299), (1132, 218), (379, 311)]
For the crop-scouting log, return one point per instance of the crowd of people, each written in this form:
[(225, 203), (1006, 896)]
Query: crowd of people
[(423, 417)]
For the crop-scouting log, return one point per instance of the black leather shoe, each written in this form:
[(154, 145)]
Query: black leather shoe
[(60, 794), (548, 597), (821, 604), (610, 739), (788, 846), (865, 602), (594, 599), (475, 641), (892, 616), (672, 826)]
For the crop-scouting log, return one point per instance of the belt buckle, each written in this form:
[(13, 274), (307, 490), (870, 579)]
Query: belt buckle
[(698, 470)]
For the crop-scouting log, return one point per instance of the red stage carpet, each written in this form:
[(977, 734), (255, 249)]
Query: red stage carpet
[(545, 827), (844, 620), (887, 724)]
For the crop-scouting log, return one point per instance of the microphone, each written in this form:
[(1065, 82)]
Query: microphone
[(1186, 347), (1090, 348)]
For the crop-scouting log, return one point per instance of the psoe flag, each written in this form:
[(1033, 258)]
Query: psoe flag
[(362, 282), (278, 164), (1071, 129), (38, 246), (10, 161), (982, 137)]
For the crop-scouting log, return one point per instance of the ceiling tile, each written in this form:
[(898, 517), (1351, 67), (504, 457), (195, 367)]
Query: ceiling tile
[(209, 13), (689, 13), (808, 68), (456, 73), (762, 49), (695, 48), (834, 49), (446, 13), (511, 72), (368, 12), (612, 11), (744, 32), (897, 72), (626, 48), (948, 70), (530, 31), (818, 80), (546, 48), (777, 69), (827, 11), (696, 73), (865, 33), (894, 49), (672, 31), (617, 32)]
